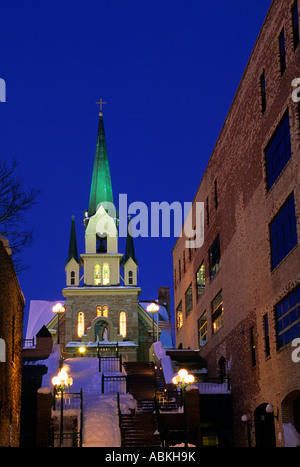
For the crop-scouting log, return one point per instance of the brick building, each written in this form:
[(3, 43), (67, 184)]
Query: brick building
[(11, 327), (237, 297)]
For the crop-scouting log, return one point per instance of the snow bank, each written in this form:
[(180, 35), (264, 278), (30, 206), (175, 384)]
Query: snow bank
[(165, 361)]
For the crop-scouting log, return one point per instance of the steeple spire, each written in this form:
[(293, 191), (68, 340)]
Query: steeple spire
[(101, 188), (73, 251), (129, 252)]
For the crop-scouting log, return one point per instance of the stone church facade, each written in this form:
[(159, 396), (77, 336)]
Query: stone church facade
[(101, 304)]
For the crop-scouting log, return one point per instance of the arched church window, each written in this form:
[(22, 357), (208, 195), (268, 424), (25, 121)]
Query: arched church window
[(80, 324), (97, 274), (130, 277), (72, 277), (105, 274), (102, 311), (123, 324)]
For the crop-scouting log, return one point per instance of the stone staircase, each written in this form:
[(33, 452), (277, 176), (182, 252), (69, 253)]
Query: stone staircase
[(139, 429)]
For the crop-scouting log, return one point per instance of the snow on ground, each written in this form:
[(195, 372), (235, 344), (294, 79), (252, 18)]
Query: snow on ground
[(100, 411)]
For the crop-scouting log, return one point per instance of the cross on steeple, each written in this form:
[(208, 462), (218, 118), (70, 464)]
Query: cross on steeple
[(101, 103)]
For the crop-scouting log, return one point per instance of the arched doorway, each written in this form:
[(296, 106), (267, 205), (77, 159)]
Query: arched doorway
[(264, 427), (291, 414)]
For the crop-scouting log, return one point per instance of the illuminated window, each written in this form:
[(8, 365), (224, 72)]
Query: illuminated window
[(189, 300), (105, 274), (97, 274), (217, 312), (80, 324), (123, 324), (200, 281), (102, 311), (179, 316)]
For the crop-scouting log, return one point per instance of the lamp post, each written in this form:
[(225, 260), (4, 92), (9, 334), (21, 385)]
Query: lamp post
[(58, 309), (183, 379), (246, 420), (153, 308), (61, 382)]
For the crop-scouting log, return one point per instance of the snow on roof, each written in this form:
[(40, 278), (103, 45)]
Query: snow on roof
[(40, 314)]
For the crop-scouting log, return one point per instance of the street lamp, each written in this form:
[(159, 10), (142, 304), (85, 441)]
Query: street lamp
[(246, 420), (153, 308), (183, 379), (58, 309), (61, 382)]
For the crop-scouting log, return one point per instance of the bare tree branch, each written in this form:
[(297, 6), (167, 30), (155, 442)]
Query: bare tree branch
[(15, 201)]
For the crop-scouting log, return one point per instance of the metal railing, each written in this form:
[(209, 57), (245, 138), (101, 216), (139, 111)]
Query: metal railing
[(112, 384), (110, 363), (69, 401), (67, 440), (109, 350), (28, 343), (120, 420)]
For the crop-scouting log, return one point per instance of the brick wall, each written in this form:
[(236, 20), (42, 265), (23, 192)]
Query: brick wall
[(242, 217), (11, 327)]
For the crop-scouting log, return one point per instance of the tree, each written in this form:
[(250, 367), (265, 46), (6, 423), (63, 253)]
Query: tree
[(15, 200)]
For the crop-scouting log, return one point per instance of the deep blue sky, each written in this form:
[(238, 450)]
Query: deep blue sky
[(168, 69)]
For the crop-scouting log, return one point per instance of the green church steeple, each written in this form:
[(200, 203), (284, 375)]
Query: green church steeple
[(101, 188)]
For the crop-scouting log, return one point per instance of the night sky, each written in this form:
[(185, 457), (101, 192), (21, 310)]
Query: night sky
[(168, 70)]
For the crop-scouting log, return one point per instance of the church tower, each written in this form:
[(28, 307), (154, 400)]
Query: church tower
[(101, 306)]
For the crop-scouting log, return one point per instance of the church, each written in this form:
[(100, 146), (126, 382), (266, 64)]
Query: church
[(102, 306)]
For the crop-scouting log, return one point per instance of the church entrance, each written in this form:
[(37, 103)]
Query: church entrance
[(101, 331)]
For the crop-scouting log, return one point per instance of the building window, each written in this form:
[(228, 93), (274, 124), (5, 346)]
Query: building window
[(283, 232), (217, 312), (266, 335), (287, 315), (216, 193), (189, 300), (97, 274), (179, 316), (263, 92), (207, 211), (200, 281), (278, 151), (202, 330), (179, 270), (183, 259), (282, 52), (105, 274), (123, 324), (102, 311), (295, 21), (72, 277), (252, 344), (215, 257), (80, 324), (130, 277)]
